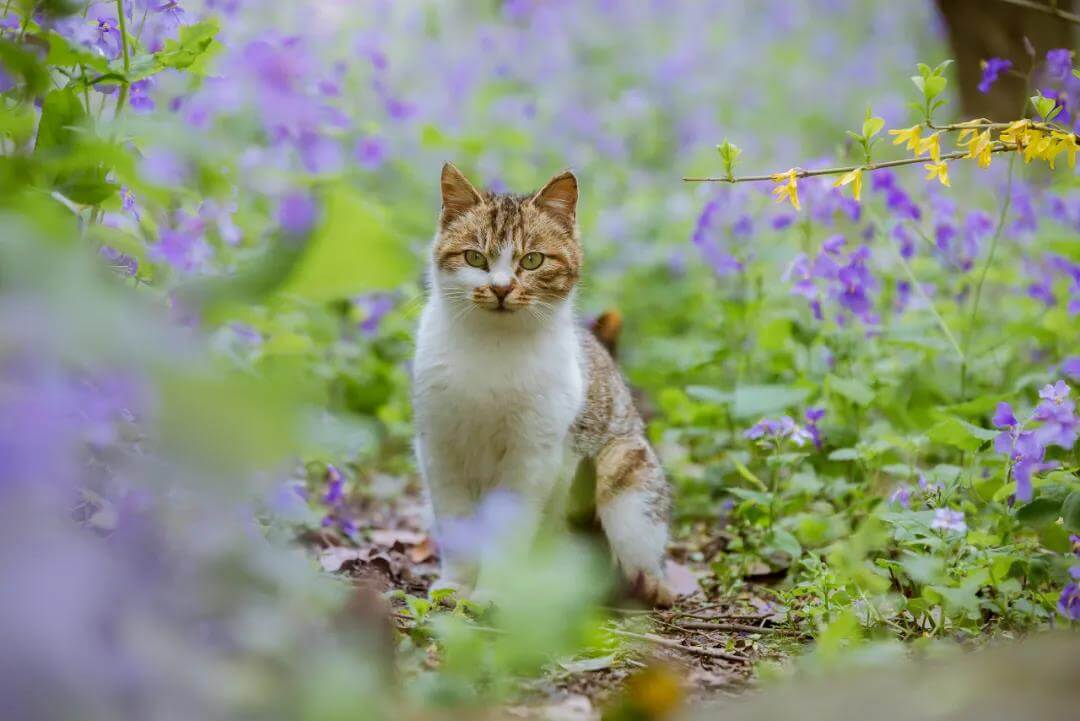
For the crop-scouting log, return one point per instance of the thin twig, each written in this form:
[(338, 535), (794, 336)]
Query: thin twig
[(1048, 9), (712, 626), (999, 147), (671, 643)]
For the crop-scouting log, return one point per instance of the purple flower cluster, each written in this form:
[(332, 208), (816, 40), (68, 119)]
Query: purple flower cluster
[(1069, 603), (1045, 273), (1058, 83), (779, 430), (1055, 424), (716, 230), (946, 519), (897, 201), (492, 524), (334, 499), (991, 69), (843, 278)]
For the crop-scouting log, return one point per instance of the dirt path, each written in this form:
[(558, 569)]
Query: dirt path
[(707, 647)]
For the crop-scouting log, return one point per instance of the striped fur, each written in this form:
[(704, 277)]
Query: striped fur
[(511, 393)]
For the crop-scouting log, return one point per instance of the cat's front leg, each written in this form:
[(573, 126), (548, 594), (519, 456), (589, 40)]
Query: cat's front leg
[(453, 508)]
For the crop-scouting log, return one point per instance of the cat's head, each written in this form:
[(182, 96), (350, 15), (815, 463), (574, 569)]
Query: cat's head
[(508, 255)]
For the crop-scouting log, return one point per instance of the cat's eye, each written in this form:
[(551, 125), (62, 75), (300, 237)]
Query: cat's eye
[(475, 258), (532, 261)]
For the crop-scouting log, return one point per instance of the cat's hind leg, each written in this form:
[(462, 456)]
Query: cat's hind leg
[(633, 503)]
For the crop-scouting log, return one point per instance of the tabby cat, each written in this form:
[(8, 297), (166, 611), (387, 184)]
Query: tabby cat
[(511, 393)]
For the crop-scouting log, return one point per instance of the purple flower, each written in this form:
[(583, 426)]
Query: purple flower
[(370, 152), (946, 519), (991, 69), (779, 430), (707, 234), (1004, 416), (1071, 367), (1026, 452), (183, 246), (335, 487), (813, 415), (1059, 63), (120, 261), (492, 524), (1069, 603), (1060, 426), (375, 306), (901, 497), (297, 213), (107, 38)]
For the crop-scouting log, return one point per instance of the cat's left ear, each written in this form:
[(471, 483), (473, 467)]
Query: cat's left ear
[(559, 197)]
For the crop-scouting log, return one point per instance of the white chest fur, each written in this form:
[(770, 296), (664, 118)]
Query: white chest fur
[(494, 399)]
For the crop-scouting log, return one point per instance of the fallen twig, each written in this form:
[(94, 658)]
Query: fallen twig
[(712, 626), (672, 643)]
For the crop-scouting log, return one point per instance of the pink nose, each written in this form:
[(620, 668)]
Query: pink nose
[(501, 291)]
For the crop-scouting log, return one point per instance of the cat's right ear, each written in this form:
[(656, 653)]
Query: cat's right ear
[(458, 194)]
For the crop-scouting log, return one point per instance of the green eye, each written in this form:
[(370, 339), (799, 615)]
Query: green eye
[(475, 258), (532, 261)]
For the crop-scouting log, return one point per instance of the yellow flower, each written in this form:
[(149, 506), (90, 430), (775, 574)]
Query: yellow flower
[(789, 190), (907, 135), (938, 170), (1016, 132), (979, 147), (1066, 142), (931, 144), (1035, 144), (855, 178)]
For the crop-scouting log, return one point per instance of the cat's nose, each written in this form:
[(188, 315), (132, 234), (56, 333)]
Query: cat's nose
[(502, 290)]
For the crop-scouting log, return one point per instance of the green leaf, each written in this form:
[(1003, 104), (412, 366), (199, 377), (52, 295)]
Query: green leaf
[(64, 53), (920, 83), (21, 63), (960, 434), (844, 454), (854, 390), (352, 252), (1039, 512), (935, 85), (62, 114), (1070, 511), (193, 49), (872, 126)]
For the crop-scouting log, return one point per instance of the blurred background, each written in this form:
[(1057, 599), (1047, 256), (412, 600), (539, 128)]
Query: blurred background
[(212, 247)]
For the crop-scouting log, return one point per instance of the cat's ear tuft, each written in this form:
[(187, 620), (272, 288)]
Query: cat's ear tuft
[(559, 196), (458, 194)]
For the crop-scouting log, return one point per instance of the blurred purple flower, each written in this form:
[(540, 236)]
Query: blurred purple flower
[(991, 69), (813, 415), (1071, 367), (946, 519), (184, 245), (297, 213), (778, 430), (1004, 416), (1059, 63), (1069, 603), (492, 524), (707, 233), (901, 497), (375, 306), (120, 261), (370, 152)]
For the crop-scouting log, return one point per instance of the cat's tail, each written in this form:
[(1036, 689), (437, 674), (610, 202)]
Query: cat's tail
[(606, 328)]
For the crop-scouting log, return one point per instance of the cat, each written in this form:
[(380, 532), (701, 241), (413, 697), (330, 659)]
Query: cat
[(511, 393)]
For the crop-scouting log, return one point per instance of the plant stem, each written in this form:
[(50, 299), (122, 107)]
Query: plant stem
[(122, 97), (982, 276)]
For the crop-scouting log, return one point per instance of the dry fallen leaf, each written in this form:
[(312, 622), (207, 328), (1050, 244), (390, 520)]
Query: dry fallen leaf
[(681, 579)]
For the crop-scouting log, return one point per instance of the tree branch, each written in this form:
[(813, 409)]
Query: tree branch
[(1048, 9)]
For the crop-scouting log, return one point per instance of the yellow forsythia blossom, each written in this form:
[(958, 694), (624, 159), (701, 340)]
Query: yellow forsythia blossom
[(855, 178), (789, 190), (910, 136), (979, 146), (931, 144), (938, 170), (1066, 142)]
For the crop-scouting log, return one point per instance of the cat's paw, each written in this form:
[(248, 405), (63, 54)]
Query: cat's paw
[(653, 590)]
